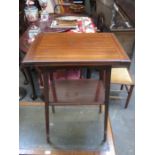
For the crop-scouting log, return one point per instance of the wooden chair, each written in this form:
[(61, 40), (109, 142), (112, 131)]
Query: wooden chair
[(122, 77)]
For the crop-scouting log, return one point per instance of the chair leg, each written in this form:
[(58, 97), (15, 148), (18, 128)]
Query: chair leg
[(129, 95), (121, 87)]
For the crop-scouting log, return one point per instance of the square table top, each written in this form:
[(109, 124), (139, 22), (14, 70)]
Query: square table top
[(69, 49)]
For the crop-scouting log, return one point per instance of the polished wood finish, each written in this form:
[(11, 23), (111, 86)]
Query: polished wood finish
[(44, 26), (50, 52), (62, 49), (107, 93), (46, 95)]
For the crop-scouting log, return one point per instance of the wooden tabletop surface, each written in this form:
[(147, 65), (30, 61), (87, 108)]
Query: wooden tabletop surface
[(65, 49)]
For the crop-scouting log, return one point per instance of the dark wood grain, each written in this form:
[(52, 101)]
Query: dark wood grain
[(46, 96), (107, 94), (99, 50), (64, 49)]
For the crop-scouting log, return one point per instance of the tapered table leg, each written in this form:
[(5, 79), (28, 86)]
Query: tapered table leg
[(101, 74), (55, 100), (46, 98), (107, 93)]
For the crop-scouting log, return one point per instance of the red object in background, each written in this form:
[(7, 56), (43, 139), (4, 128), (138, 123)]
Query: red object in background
[(84, 26), (62, 74), (67, 75)]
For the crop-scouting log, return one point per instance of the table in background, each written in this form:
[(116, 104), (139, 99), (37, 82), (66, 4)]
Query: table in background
[(24, 45)]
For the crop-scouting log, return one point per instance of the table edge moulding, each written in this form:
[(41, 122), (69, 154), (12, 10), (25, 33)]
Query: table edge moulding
[(50, 52), (80, 46)]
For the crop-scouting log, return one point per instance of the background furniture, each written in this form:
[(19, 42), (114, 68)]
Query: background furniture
[(24, 45), (122, 77), (121, 21), (104, 7), (128, 7), (22, 91)]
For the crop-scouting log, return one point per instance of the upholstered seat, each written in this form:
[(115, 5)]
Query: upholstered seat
[(122, 76)]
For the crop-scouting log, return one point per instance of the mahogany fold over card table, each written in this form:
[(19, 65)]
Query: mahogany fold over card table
[(53, 51)]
